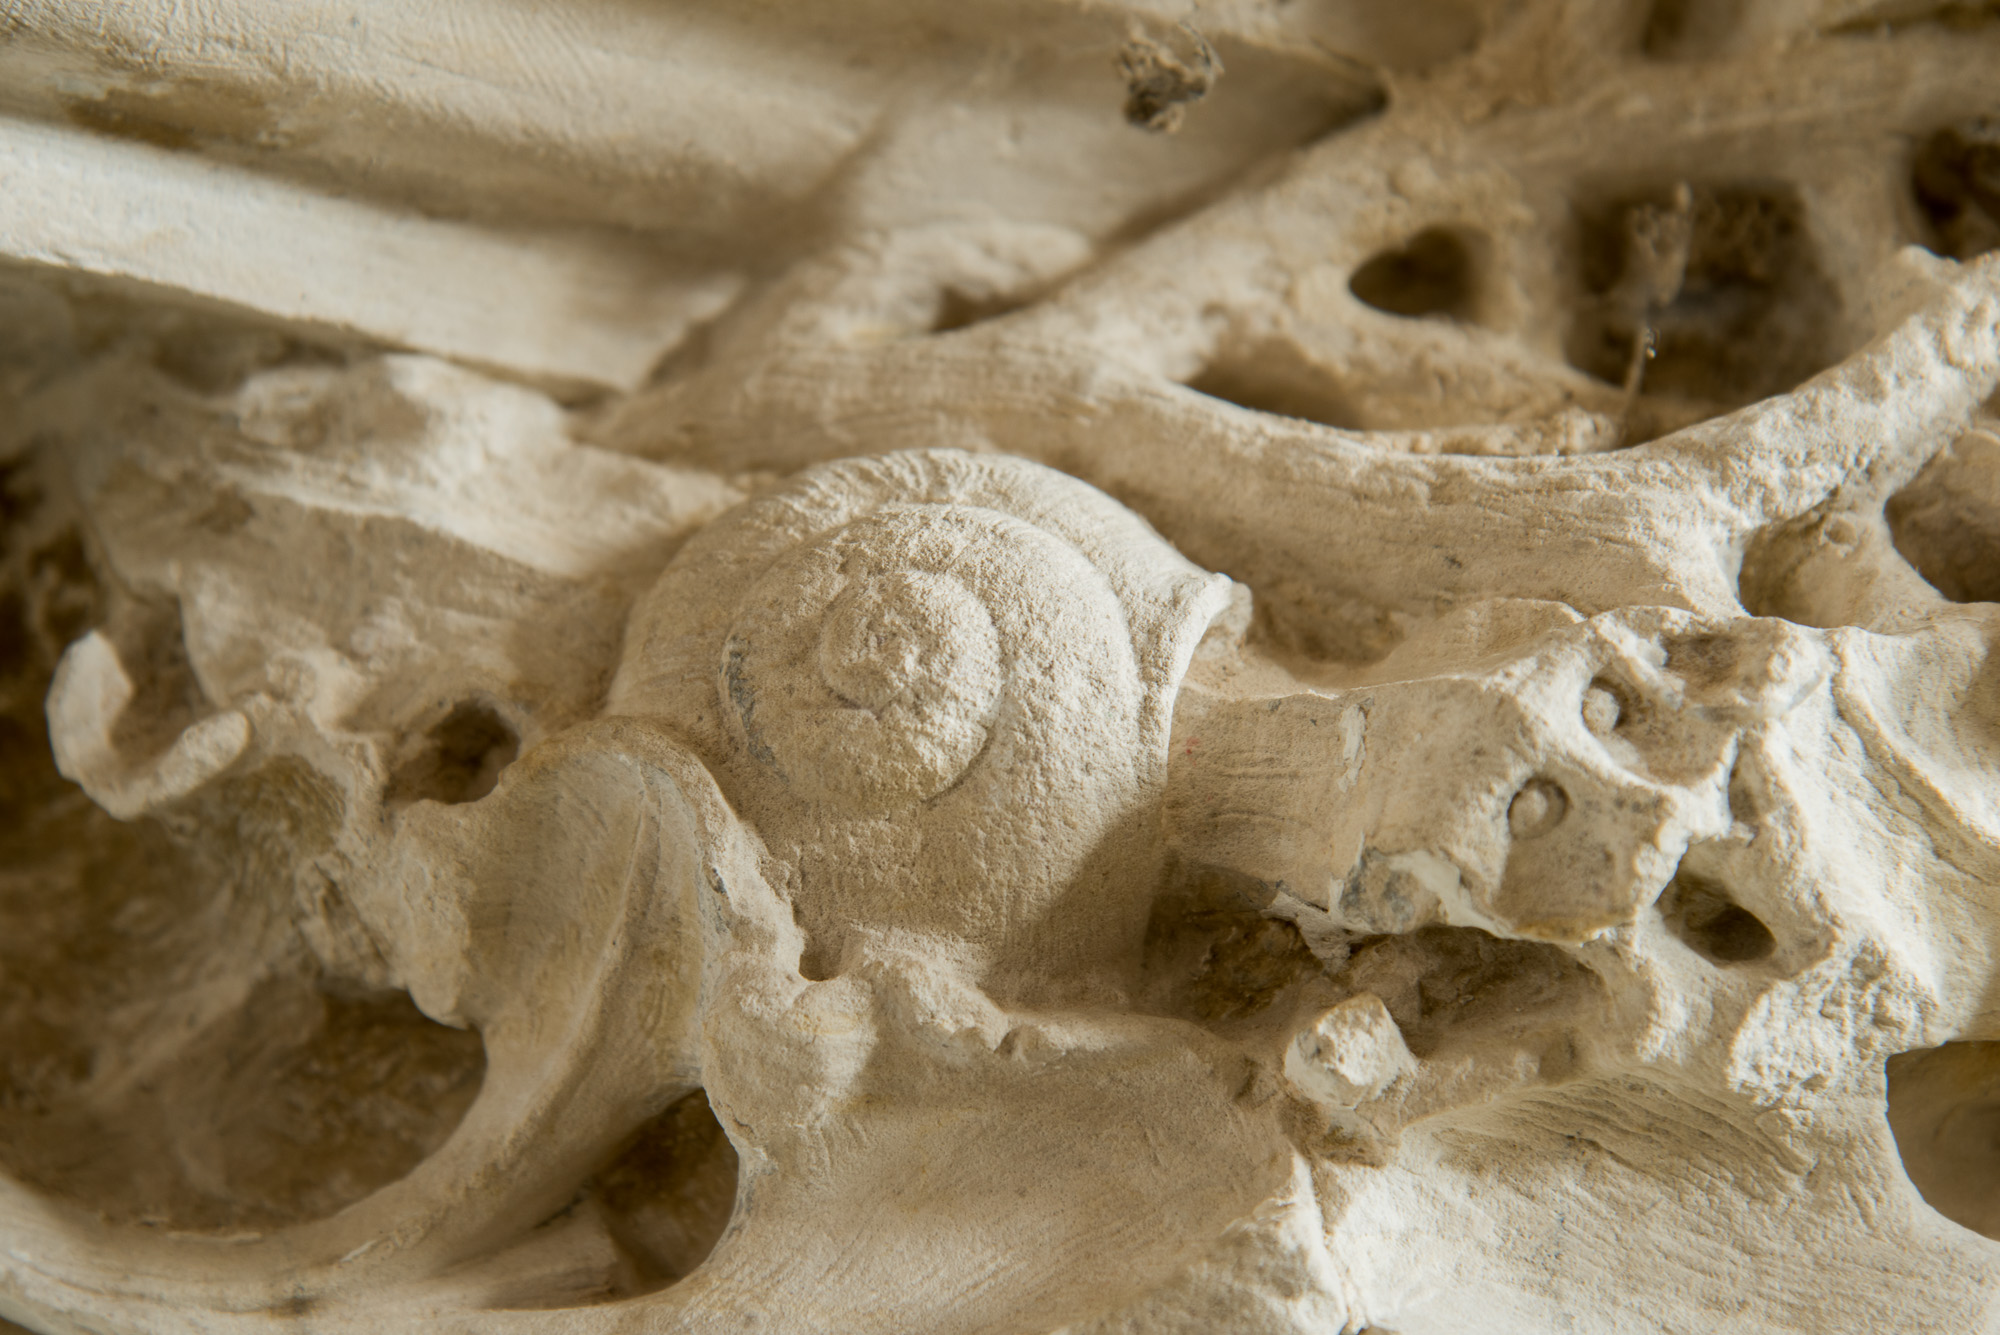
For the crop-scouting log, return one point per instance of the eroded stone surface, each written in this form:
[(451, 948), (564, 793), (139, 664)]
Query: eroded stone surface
[(1318, 672)]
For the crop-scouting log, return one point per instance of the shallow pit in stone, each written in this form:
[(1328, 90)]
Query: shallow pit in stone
[(1946, 522), (296, 1105), (1433, 275), (1955, 178), (1688, 29), (1276, 378), (460, 760), (1701, 914), (1460, 991), (1213, 956), (958, 310), (1889, 16)]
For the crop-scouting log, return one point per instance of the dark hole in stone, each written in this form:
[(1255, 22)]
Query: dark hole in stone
[(27, 775), (1944, 1109), (1749, 316), (463, 758), (669, 1194), (1460, 990), (1946, 523), (1277, 378), (1432, 275), (1211, 953), (1956, 181), (1687, 28), (1701, 913), (19, 497), (818, 961), (957, 310), (17, 638), (71, 599), (1666, 21)]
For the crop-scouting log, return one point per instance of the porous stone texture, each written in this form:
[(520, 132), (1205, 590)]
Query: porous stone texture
[(1104, 667)]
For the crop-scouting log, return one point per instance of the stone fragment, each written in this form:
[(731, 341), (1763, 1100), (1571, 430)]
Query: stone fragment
[(1349, 1055)]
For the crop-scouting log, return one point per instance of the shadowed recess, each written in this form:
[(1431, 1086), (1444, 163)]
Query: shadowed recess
[(461, 760), (1890, 16), (1684, 29), (1946, 523), (1276, 377), (1214, 957), (298, 1104), (1701, 913), (669, 1194), (1956, 181), (1944, 1108), (957, 310), (1747, 312), (1460, 990), (152, 1069), (1432, 275)]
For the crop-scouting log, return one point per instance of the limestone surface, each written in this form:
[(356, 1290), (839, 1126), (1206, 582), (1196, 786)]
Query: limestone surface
[(1034, 667)]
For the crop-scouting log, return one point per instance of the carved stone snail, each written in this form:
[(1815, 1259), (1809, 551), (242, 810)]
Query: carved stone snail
[(936, 691), (869, 848), (939, 686)]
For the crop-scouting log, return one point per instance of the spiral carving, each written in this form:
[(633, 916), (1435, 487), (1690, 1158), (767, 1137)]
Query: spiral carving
[(862, 669), (938, 686)]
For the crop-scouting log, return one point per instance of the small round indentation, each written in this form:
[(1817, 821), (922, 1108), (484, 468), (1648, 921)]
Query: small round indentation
[(462, 758), (1842, 530), (1538, 808), (1714, 926), (1601, 709), (1946, 522), (1432, 275)]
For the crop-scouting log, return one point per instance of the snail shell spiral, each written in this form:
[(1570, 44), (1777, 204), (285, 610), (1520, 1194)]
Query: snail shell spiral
[(862, 669), (939, 685)]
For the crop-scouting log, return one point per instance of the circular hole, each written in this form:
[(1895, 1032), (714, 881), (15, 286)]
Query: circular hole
[(1432, 275), (1944, 1110), (1704, 917), (462, 758), (1537, 809)]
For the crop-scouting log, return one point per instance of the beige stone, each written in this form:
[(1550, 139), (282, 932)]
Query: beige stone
[(1032, 667)]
